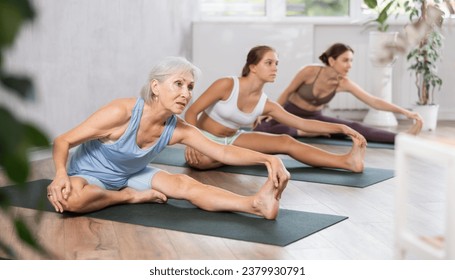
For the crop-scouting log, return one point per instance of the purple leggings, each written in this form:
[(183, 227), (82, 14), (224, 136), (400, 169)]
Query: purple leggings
[(370, 133)]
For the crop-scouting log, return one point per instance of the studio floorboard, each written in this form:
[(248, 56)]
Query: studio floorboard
[(368, 234)]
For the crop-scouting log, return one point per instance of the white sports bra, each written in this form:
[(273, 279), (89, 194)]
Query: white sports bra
[(228, 114)]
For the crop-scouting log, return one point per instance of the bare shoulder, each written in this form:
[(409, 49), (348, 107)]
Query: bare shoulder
[(183, 130), (309, 71), (221, 88), (313, 68), (119, 109), (272, 107), (346, 84), (224, 83)]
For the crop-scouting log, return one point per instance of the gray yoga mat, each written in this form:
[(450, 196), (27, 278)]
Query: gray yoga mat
[(179, 215), (343, 142), (299, 171)]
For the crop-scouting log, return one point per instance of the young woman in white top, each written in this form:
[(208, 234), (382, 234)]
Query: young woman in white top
[(231, 103)]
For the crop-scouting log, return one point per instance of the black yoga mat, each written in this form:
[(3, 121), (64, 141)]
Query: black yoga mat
[(179, 215), (299, 171), (343, 142)]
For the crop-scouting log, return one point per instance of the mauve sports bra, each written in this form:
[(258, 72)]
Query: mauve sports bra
[(305, 91)]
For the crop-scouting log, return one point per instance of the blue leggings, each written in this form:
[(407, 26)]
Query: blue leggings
[(370, 133)]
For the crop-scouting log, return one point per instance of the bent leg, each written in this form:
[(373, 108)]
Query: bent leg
[(85, 197), (203, 162), (211, 198), (311, 155)]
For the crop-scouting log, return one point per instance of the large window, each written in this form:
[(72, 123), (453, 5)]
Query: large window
[(296, 9), (318, 8), (232, 8), (277, 9)]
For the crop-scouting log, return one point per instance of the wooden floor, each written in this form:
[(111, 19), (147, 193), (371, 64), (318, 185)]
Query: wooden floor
[(367, 234)]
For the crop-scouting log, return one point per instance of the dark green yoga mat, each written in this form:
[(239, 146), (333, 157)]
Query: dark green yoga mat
[(299, 171), (179, 215), (343, 142)]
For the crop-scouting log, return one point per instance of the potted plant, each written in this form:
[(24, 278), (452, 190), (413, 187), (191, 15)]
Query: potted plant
[(384, 10), (381, 36), (16, 136), (423, 58)]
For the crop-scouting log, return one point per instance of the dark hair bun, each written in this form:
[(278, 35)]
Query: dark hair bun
[(323, 57)]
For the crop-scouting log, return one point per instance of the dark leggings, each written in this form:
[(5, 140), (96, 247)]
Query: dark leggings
[(370, 133)]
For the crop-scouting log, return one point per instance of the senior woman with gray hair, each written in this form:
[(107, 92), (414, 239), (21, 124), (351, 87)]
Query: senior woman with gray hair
[(117, 143)]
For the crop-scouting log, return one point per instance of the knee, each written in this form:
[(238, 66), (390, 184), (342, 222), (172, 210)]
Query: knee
[(286, 140), (73, 204), (184, 182), (81, 198)]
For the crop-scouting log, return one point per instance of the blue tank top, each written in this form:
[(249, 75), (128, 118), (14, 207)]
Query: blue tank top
[(113, 163)]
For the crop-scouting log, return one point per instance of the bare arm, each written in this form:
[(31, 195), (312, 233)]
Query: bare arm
[(219, 90), (375, 102), (108, 122), (232, 155)]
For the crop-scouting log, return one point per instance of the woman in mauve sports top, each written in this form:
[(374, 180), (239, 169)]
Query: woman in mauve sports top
[(315, 85), (232, 103)]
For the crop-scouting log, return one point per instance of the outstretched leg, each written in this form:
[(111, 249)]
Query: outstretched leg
[(211, 198), (311, 155), (371, 134), (285, 144)]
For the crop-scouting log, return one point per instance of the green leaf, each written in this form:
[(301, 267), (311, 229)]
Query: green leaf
[(7, 249), (16, 166), (372, 4), (13, 13), (21, 85), (10, 22), (8, 123), (35, 137), (25, 235), (4, 202), (387, 7), (15, 144)]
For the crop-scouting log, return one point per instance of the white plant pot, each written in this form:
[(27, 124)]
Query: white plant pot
[(381, 77), (429, 114)]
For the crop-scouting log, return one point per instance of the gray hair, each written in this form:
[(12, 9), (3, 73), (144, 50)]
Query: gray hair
[(165, 68)]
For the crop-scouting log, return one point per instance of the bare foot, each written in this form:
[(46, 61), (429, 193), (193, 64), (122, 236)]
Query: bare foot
[(436, 241), (356, 156), (265, 204), (415, 128), (144, 196)]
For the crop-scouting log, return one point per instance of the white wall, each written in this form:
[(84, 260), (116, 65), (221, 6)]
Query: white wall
[(84, 53), (404, 92), (220, 49), (224, 52)]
